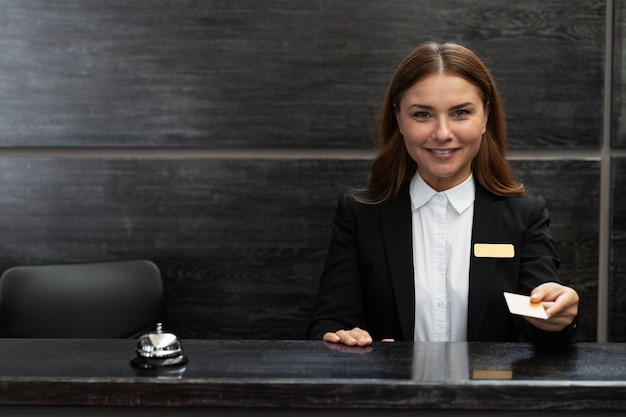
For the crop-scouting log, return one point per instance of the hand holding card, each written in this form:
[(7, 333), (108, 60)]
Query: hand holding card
[(521, 305)]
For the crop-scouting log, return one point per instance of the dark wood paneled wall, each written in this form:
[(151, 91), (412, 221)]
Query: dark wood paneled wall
[(617, 287), (619, 77), (617, 293), (241, 240)]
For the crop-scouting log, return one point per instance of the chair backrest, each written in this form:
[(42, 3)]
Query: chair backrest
[(114, 299)]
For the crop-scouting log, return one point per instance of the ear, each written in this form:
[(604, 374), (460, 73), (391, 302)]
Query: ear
[(485, 116), (396, 111)]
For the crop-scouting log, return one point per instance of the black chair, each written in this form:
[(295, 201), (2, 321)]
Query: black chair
[(114, 299)]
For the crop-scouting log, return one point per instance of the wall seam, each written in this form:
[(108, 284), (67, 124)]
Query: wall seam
[(604, 249)]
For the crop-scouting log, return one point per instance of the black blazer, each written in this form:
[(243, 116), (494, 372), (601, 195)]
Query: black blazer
[(368, 277)]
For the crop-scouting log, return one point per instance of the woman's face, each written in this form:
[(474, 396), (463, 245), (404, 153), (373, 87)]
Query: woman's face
[(442, 120)]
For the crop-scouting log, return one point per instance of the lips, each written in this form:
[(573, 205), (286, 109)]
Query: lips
[(441, 151)]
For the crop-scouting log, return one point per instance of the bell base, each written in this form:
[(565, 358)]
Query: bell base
[(144, 363)]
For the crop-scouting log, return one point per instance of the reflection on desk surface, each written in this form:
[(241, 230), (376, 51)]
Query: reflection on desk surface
[(238, 359)]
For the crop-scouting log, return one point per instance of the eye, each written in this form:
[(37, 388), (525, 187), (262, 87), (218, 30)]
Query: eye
[(421, 115), (461, 113)]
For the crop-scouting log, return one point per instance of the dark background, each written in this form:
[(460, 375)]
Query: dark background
[(215, 137)]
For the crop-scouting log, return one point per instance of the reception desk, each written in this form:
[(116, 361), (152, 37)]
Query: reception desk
[(226, 377)]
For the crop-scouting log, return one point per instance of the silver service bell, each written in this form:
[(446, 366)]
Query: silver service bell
[(159, 350)]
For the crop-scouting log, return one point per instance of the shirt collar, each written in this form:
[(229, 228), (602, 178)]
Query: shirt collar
[(460, 197)]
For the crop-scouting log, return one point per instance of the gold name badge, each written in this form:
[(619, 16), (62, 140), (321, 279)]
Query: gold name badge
[(494, 250)]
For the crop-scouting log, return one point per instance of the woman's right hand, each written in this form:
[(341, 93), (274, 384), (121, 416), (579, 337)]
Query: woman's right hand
[(354, 337)]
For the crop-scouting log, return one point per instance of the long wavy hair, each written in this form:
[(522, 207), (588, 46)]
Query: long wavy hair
[(393, 167)]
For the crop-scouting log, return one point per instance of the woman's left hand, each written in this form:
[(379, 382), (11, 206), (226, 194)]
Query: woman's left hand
[(560, 302)]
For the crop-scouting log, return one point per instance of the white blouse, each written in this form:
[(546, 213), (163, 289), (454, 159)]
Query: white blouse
[(442, 233)]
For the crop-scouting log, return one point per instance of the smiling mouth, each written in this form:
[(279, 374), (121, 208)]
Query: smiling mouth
[(442, 151)]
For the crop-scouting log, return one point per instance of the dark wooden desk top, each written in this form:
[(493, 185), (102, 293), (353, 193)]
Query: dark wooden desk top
[(311, 375)]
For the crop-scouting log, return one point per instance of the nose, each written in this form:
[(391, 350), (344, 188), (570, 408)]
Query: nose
[(442, 129)]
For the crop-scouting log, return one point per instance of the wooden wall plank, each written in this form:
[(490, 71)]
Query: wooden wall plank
[(241, 243), (618, 139), (617, 288), (241, 73)]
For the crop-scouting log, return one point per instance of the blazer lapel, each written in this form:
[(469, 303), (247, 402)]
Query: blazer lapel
[(395, 218), (486, 229)]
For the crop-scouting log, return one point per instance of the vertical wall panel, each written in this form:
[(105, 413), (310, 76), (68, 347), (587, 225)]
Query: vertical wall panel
[(617, 289), (619, 76), (617, 278)]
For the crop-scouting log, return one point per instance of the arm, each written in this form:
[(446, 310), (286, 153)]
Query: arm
[(340, 305), (538, 270)]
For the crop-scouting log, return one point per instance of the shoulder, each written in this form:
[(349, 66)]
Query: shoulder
[(354, 204), (357, 205), (523, 202), (526, 203), (525, 208), (374, 198)]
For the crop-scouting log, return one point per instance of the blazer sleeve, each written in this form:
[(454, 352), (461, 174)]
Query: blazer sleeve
[(539, 264), (523, 221), (340, 303)]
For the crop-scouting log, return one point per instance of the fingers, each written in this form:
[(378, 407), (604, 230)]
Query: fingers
[(551, 291), (331, 337), (556, 298), (560, 302), (354, 337)]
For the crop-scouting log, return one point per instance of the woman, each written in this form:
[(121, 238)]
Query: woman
[(443, 228)]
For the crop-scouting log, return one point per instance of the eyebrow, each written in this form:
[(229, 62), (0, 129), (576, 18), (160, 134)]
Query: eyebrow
[(455, 107)]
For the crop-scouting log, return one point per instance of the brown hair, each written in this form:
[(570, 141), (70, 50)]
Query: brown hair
[(393, 166)]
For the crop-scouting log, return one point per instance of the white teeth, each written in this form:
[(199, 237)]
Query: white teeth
[(441, 151)]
